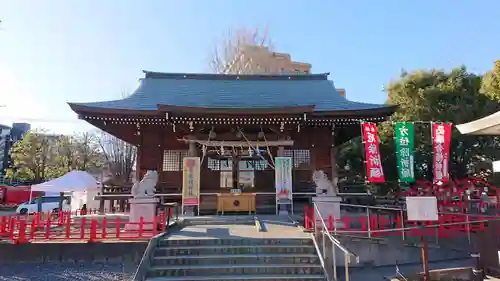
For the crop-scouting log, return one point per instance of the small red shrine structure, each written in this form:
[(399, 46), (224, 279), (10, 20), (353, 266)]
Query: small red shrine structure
[(236, 124)]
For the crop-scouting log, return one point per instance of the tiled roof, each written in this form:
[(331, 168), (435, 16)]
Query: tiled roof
[(234, 91)]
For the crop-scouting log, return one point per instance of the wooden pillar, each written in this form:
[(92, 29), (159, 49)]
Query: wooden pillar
[(281, 151), (193, 149), (138, 157), (333, 161), (333, 155), (101, 200), (159, 165), (236, 168)]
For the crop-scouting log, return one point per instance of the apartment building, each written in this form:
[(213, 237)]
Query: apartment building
[(9, 136), (259, 59)]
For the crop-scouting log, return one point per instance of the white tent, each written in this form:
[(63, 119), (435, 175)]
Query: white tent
[(82, 185), (72, 181), (487, 126)]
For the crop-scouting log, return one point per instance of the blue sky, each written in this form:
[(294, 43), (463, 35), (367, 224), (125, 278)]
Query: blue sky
[(54, 51)]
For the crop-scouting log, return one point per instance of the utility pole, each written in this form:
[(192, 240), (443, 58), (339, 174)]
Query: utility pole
[(425, 256)]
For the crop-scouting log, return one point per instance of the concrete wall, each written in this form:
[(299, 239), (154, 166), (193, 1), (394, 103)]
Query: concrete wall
[(385, 253), (73, 252)]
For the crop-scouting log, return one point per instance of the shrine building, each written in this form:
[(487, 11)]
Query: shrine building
[(236, 125)]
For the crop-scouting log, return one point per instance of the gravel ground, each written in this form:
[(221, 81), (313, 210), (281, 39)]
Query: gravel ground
[(66, 272)]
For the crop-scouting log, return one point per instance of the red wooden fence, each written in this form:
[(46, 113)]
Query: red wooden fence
[(448, 225), (67, 226)]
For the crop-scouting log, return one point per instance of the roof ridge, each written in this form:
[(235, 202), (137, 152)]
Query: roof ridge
[(216, 76)]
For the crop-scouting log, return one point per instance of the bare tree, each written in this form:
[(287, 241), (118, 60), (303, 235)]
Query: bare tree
[(88, 151), (66, 152), (120, 157), (79, 152), (243, 51)]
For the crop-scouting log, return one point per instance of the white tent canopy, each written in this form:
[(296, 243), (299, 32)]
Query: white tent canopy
[(72, 181), (487, 126)]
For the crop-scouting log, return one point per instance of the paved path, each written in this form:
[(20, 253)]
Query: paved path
[(275, 228)]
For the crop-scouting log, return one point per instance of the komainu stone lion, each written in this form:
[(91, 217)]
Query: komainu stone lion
[(323, 185), (146, 187)]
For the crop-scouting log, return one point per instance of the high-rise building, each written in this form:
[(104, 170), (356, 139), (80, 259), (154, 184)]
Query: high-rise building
[(9, 136), (259, 59)]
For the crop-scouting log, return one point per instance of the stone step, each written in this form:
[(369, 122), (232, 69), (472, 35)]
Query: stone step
[(256, 277), (226, 269), (231, 249), (265, 258), (234, 241), (203, 220)]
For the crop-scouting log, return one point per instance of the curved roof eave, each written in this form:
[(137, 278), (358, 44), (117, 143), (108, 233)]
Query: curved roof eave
[(381, 111), (86, 108)]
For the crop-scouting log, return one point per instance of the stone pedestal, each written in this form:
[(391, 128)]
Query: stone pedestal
[(328, 206), (284, 209), (142, 207)]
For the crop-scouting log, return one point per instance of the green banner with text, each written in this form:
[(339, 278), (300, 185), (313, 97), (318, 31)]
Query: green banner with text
[(404, 133)]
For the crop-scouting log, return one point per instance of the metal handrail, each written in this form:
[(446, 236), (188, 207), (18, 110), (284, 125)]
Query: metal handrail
[(336, 243), (333, 239), (371, 207)]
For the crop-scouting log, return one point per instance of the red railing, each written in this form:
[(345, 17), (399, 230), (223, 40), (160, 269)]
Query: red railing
[(68, 226), (375, 225)]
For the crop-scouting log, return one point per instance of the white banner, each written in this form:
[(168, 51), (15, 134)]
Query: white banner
[(283, 174)]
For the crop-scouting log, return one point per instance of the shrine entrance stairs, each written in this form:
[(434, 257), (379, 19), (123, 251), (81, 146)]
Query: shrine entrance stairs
[(233, 248)]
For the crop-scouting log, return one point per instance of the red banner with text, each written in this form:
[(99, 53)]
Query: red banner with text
[(441, 137), (374, 171)]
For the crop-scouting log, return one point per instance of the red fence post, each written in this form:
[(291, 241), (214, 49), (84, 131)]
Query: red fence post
[(373, 225), (155, 225), (306, 216), (118, 227), (68, 227), (33, 229), (312, 216), (141, 226), (21, 238), (48, 225), (104, 228), (164, 220), (381, 224), (3, 224), (93, 230), (83, 224), (364, 226), (12, 227), (60, 217), (330, 223)]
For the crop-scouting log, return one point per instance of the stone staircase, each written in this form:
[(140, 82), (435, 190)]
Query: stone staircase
[(235, 259)]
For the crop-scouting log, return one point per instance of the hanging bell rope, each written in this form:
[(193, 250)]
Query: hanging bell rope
[(252, 147), (267, 146)]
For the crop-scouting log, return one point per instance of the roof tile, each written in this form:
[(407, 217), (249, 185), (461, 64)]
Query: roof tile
[(180, 90)]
